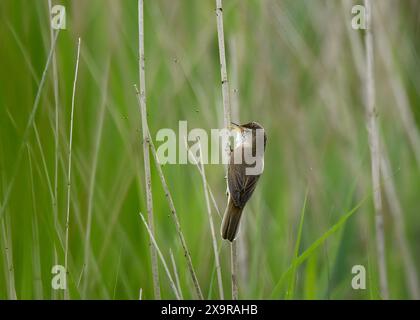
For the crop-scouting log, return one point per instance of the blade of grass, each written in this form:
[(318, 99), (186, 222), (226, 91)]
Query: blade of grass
[(27, 130), (290, 291), (315, 245), (66, 291), (116, 276), (36, 254), (101, 117), (7, 243), (311, 272)]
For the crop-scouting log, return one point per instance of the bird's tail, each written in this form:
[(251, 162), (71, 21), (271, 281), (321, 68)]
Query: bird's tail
[(231, 219)]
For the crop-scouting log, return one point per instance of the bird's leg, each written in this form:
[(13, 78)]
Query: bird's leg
[(227, 186)]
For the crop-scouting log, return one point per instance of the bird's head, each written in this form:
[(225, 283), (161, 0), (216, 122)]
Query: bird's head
[(248, 130)]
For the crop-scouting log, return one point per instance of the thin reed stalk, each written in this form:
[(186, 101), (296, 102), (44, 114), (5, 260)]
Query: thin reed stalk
[(234, 272), (56, 122), (173, 210), (227, 120), (35, 234), (162, 259), (146, 156), (175, 270), (56, 139), (242, 246), (212, 230), (223, 68), (197, 164), (375, 152), (390, 190), (7, 244), (66, 250), (176, 221)]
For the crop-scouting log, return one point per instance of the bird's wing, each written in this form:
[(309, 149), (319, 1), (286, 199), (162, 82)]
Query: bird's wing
[(241, 186)]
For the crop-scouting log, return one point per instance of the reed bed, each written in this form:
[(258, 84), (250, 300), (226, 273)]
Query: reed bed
[(340, 107)]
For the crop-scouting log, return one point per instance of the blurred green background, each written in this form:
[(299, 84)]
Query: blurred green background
[(297, 67)]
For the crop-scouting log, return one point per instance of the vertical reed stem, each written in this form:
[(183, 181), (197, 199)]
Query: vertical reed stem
[(375, 152), (227, 120), (66, 291), (56, 131), (162, 259), (175, 270), (146, 156), (213, 233), (56, 137)]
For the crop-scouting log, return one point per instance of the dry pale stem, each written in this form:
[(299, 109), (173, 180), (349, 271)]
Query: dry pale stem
[(375, 153), (146, 156)]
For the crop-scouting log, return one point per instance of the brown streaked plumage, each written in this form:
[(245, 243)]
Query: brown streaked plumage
[(240, 185)]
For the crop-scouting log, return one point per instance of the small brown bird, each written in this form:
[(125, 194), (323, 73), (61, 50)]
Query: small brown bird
[(241, 180)]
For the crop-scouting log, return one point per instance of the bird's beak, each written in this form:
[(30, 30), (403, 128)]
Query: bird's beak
[(235, 127)]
